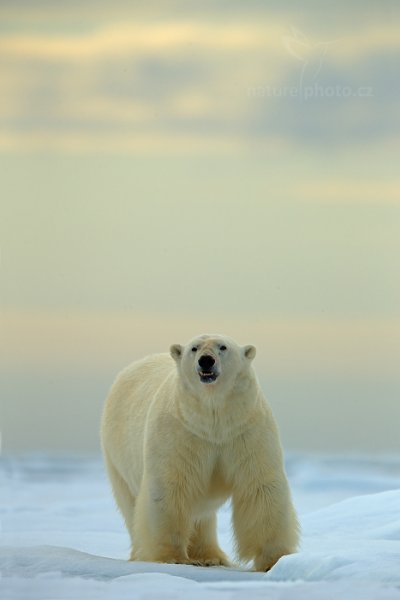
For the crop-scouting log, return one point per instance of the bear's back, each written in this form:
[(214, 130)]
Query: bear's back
[(135, 386), (127, 405)]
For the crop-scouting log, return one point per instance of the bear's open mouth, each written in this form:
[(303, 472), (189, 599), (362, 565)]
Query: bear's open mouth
[(208, 376)]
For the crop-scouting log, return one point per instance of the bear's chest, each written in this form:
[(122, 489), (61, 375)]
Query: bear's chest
[(218, 484), (215, 489)]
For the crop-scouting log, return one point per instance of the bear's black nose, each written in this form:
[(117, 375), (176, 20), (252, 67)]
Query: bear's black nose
[(206, 361)]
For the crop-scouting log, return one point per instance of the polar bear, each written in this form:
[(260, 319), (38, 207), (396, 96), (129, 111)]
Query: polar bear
[(181, 433)]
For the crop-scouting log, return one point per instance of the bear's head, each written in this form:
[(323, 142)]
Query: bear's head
[(212, 361)]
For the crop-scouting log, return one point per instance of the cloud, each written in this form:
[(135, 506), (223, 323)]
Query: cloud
[(122, 39), (343, 192), (97, 341), (190, 82)]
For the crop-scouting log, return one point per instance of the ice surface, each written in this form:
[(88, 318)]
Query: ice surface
[(62, 537)]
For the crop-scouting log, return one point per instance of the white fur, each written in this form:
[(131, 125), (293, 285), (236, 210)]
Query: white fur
[(177, 448)]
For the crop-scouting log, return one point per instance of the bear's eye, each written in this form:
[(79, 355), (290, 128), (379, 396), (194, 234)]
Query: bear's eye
[(223, 348), (194, 349)]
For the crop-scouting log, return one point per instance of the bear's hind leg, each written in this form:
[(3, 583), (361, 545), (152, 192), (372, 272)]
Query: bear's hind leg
[(203, 546), (123, 497)]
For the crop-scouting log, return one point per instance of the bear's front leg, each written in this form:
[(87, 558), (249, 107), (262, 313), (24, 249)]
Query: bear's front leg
[(203, 546), (265, 523), (162, 523)]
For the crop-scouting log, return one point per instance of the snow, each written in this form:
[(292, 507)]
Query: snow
[(62, 537)]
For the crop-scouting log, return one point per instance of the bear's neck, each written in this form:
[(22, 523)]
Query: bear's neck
[(219, 418)]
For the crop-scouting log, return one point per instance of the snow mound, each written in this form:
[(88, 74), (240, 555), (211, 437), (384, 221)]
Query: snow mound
[(59, 523), (155, 586), (357, 539), (35, 560)]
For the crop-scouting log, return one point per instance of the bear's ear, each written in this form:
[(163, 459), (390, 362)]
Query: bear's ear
[(249, 352), (176, 351)]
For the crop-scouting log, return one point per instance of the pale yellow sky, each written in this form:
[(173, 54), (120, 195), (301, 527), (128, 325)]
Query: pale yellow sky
[(166, 173)]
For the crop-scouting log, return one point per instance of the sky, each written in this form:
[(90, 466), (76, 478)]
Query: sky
[(173, 169)]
